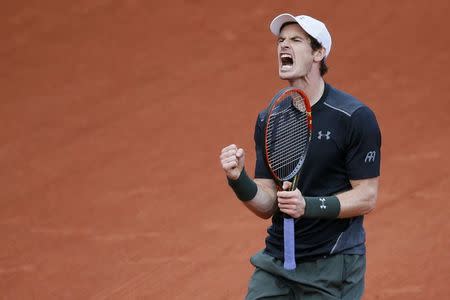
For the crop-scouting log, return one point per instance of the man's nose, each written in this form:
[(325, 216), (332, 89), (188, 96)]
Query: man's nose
[(284, 44)]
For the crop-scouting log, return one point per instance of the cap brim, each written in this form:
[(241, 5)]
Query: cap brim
[(278, 22)]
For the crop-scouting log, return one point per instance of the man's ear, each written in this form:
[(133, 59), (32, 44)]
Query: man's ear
[(319, 54)]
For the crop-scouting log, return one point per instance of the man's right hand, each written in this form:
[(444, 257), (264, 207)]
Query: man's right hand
[(232, 160)]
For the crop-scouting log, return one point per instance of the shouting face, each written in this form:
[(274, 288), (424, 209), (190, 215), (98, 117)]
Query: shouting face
[(295, 55)]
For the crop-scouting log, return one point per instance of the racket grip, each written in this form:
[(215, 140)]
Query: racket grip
[(289, 244)]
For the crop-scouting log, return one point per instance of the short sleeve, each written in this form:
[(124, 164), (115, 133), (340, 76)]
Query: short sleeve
[(261, 169), (363, 154)]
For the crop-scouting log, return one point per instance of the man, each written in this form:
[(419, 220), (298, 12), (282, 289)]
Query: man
[(341, 172)]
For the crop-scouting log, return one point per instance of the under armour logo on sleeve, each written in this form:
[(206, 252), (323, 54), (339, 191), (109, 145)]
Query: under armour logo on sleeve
[(370, 157)]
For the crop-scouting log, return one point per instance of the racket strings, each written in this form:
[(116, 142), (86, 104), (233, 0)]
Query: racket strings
[(289, 127), (290, 153), (287, 137), (286, 118), (288, 160), (289, 163)]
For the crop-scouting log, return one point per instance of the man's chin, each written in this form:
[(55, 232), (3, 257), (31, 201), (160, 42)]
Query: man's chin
[(286, 75)]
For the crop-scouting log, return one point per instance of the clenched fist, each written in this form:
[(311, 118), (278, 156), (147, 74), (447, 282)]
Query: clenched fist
[(232, 160)]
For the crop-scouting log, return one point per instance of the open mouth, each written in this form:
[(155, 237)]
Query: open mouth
[(287, 62)]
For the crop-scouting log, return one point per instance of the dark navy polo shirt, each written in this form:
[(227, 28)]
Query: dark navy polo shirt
[(345, 145)]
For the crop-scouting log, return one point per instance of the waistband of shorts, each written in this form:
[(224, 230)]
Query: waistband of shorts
[(306, 258)]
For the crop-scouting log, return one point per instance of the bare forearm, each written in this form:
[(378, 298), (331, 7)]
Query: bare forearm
[(360, 200), (264, 203)]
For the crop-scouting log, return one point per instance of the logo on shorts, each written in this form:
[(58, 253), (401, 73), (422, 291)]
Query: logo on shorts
[(323, 206), (324, 135), (370, 157)]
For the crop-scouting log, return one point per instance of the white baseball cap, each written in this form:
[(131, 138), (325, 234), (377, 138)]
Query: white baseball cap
[(313, 27)]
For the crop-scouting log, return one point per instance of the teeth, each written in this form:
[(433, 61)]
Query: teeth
[(286, 61)]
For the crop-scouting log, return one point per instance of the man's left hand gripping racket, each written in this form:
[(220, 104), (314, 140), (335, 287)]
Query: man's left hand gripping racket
[(287, 136)]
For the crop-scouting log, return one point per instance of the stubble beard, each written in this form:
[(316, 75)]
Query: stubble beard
[(295, 76)]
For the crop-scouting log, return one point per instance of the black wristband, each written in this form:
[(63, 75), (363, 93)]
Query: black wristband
[(244, 187), (322, 207)]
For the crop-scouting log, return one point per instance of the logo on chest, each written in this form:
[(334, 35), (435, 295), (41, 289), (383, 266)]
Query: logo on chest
[(324, 135)]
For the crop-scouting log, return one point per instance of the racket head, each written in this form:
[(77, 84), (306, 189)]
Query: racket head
[(287, 134)]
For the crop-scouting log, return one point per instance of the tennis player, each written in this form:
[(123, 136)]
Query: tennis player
[(338, 181)]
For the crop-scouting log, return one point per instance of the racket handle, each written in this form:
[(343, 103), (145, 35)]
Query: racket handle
[(289, 244), (294, 183)]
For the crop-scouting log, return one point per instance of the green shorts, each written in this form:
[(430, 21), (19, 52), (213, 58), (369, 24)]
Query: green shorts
[(339, 276)]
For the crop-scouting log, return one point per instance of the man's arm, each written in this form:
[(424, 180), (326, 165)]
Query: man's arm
[(264, 204), (258, 195), (360, 200)]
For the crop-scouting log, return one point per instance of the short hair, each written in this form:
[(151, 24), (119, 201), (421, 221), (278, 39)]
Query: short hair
[(315, 45)]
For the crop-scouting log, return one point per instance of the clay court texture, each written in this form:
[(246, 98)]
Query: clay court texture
[(113, 114)]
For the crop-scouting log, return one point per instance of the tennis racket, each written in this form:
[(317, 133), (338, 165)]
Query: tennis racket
[(287, 136)]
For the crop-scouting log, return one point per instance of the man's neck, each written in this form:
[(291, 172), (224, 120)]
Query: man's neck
[(313, 88)]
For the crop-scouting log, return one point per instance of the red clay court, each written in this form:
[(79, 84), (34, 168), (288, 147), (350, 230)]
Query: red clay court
[(113, 114)]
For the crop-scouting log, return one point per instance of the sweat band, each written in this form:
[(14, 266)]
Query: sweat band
[(244, 188), (322, 207)]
